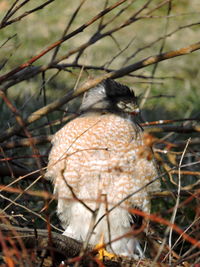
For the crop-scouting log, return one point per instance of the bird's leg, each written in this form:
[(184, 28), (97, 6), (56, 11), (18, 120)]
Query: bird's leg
[(102, 252)]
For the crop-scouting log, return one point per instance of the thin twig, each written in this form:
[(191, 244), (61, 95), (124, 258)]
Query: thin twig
[(177, 200)]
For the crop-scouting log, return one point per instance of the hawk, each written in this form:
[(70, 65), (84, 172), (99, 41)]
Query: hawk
[(99, 167)]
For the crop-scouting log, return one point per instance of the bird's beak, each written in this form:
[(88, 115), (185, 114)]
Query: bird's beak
[(135, 112)]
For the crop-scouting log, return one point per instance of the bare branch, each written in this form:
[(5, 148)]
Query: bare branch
[(67, 37), (64, 248), (92, 83), (5, 21)]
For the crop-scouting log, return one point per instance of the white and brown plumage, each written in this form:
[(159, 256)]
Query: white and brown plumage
[(100, 154)]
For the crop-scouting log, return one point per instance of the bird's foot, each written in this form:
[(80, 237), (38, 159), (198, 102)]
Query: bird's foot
[(102, 253)]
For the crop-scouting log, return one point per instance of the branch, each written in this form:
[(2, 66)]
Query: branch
[(25, 142), (57, 43), (5, 23), (18, 172), (172, 128), (154, 59), (93, 82), (63, 247)]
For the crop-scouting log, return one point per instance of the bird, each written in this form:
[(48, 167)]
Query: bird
[(100, 168)]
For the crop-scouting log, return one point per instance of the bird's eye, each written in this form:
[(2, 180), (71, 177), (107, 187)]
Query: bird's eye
[(121, 105), (132, 108)]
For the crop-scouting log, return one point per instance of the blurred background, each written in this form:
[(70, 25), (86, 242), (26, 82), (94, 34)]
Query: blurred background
[(177, 26), (128, 32)]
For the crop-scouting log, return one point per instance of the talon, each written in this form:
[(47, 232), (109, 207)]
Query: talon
[(102, 252)]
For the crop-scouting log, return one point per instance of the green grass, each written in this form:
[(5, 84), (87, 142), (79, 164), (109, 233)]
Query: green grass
[(40, 29)]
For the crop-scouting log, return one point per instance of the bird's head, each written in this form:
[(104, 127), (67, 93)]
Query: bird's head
[(110, 96)]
